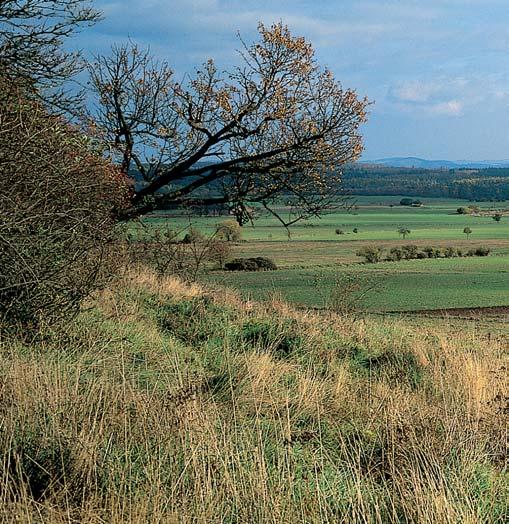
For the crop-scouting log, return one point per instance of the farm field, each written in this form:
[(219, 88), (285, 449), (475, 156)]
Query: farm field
[(397, 286), (316, 256)]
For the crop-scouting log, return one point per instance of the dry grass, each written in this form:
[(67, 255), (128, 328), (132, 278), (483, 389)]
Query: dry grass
[(165, 403)]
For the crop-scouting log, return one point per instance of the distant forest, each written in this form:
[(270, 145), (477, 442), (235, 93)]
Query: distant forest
[(363, 179), (470, 184)]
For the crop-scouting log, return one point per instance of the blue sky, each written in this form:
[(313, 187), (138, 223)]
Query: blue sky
[(437, 71)]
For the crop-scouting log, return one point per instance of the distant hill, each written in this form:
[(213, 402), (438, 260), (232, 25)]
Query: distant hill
[(422, 163)]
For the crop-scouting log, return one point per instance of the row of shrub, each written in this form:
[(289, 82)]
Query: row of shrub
[(373, 254)]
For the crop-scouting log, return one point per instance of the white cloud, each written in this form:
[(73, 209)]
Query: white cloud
[(449, 108), (414, 91)]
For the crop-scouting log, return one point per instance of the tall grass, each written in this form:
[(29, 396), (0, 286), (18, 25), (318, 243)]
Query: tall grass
[(168, 403)]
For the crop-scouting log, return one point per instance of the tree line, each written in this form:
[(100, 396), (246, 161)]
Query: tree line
[(468, 184)]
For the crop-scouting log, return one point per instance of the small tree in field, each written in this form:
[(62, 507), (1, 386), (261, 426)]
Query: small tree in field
[(467, 232), (497, 217), (403, 232), (229, 230), (219, 252)]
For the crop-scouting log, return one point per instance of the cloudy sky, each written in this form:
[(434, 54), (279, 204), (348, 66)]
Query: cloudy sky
[(437, 71)]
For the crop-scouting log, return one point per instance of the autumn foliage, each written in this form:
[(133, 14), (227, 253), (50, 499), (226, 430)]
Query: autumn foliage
[(278, 125)]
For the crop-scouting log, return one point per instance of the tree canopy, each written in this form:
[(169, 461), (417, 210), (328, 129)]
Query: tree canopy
[(32, 33), (276, 125)]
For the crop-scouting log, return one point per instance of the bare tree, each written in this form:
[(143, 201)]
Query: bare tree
[(277, 125), (32, 33)]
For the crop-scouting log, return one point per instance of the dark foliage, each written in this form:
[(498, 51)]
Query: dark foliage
[(251, 264), (470, 184)]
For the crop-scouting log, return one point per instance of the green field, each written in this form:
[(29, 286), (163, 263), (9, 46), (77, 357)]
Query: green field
[(398, 286), (316, 256)]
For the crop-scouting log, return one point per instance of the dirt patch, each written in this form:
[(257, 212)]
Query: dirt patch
[(474, 313)]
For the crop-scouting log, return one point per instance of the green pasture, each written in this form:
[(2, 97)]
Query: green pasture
[(315, 252), (397, 286), (373, 218)]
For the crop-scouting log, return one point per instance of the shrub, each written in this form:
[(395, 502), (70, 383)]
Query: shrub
[(409, 252), (229, 230), (463, 211), (406, 202), (219, 252), (372, 254), (431, 252), (347, 294), (450, 252), (160, 249), (339, 232), (58, 199), (482, 251), (193, 235), (355, 230), (497, 217), (251, 264), (395, 254)]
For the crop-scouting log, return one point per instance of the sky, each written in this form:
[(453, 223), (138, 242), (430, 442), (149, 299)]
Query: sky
[(436, 71)]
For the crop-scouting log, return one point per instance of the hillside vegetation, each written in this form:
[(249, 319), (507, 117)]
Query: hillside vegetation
[(475, 184), (165, 402)]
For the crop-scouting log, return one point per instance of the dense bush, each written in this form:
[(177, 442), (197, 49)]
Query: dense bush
[(480, 251), (450, 252), (395, 254), (371, 253), (251, 264), (412, 252), (57, 212), (229, 230), (409, 252), (432, 252)]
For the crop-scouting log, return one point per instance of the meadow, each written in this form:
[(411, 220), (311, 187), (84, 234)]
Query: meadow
[(314, 256), (165, 402)]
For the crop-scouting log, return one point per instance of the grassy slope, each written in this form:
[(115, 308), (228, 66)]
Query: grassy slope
[(165, 404)]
